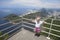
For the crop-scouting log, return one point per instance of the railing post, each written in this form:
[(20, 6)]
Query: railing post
[(50, 29)]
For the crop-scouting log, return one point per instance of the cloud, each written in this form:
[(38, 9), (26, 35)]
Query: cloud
[(32, 3), (36, 3), (26, 2)]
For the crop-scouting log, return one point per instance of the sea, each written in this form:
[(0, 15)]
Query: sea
[(6, 11)]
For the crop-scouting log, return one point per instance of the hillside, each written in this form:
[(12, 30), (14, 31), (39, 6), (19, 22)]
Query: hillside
[(13, 18)]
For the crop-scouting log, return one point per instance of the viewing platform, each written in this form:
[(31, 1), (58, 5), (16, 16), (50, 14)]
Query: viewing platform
[(23, 30), (27, 35)]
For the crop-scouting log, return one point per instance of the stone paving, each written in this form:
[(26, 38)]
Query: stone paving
[(26, 35)]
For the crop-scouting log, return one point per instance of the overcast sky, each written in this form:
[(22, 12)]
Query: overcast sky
[(30, 3)]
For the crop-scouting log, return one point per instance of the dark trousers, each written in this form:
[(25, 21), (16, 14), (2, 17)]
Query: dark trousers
[(37, 34)]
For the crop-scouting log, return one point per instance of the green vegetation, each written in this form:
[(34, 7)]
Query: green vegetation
[(10, 17), (1, 38), (13, 17), (48, 20), (54, 37), (33, 15), (30, 16), (46, 25), (53, 27), (57, 22), (4, 37)]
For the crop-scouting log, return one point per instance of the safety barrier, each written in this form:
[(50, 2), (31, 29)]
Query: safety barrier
[(49, 33), (20, 26), (26, 22)]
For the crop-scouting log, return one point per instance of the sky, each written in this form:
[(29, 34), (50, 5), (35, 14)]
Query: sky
[(30, 3)]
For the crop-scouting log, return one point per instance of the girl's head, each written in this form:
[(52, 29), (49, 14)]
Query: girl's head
[(38, 18)]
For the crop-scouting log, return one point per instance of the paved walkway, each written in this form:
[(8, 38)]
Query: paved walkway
[(26, 35)]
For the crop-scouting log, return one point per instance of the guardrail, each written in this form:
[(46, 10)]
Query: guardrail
[(10, 31), (49, 33), (9, 22), (26, 22), (43, 26), (10, 27)]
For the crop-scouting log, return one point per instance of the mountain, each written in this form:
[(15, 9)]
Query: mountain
[(18, 11), (44, 12)]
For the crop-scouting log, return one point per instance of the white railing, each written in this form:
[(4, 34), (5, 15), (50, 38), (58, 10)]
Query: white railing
[(9, 22), (10, 27), (10, 31), (42, 31), (4, 24), (43, 26), (49, 33)]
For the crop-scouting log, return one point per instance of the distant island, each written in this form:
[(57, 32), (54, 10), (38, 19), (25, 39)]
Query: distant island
[(13, 18)]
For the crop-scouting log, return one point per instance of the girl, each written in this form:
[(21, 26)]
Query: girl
[(38, 24)]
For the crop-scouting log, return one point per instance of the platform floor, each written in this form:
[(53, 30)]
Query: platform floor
[(26, 35)]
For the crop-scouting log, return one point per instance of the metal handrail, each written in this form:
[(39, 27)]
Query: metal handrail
[(51, 29), (9, 27), (51, 33), (43, 26), (30, 27), (29, 20), (4, 23), (46, 28), (42, 31), (28, 23), (52, 24), (9, 22), (10, 31)]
